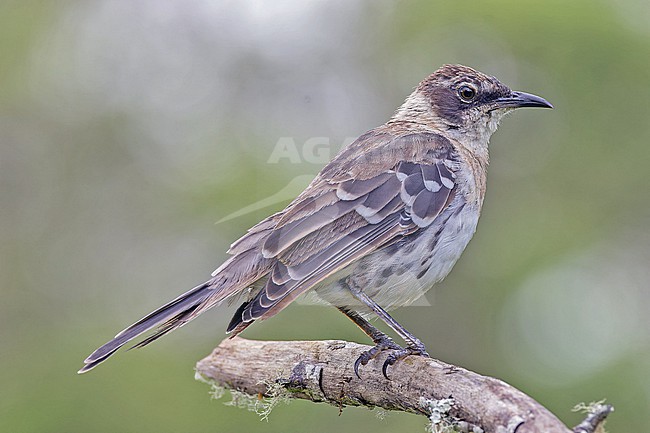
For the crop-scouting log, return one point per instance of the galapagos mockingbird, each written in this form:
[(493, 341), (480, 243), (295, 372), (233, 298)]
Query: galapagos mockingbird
[(382, 223)]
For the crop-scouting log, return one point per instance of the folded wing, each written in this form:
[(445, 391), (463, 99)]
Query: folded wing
[(343, 222)]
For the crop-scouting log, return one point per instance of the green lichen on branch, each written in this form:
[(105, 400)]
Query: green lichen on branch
[(262, 405), (440, 419), (596, 412)]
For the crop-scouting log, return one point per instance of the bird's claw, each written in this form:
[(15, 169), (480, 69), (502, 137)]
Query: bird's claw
[(380, 345), (400, 354)]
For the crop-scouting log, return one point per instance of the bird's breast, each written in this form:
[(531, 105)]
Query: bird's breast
[(401, 273)]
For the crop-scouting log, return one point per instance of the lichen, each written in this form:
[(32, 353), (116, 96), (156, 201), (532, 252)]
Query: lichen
[(380, 413), (440, 420), (216, 391), (261, 405), (596, 412), (275, 394), (588, 408)]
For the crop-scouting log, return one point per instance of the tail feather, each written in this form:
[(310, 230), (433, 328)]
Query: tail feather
[(168, 317), (173, 323), (230, 279)]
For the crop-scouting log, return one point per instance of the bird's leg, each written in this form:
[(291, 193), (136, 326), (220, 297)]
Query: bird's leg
[(381, 340), (414, 345)]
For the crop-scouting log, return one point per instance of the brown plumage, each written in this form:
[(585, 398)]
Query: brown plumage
[(383, 222)]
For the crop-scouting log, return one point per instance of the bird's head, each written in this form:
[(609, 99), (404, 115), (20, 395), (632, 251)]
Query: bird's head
[(464, 103)]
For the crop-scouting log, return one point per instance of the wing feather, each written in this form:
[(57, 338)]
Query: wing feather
[(351, 220), (283, 237)]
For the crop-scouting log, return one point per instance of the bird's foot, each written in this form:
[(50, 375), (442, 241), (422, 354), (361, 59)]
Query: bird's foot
[(382, 343), (416, 348)]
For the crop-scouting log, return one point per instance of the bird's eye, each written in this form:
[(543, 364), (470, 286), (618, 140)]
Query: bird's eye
[(467, 93)]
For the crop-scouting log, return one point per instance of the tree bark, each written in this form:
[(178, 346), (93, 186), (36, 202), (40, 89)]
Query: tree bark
[(322, 371)]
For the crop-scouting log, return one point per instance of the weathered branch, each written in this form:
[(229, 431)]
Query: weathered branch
[(322, 371)]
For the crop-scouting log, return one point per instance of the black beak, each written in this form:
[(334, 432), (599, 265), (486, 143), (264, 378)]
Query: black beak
[(522, 99)]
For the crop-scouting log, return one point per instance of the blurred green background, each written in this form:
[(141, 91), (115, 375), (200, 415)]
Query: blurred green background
[(127, 129)]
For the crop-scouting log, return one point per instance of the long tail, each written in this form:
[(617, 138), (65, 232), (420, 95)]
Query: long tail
[(242, 270), (166, 318)]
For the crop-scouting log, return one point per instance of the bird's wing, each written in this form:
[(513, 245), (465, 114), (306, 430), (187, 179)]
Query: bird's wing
[(342, 217)]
